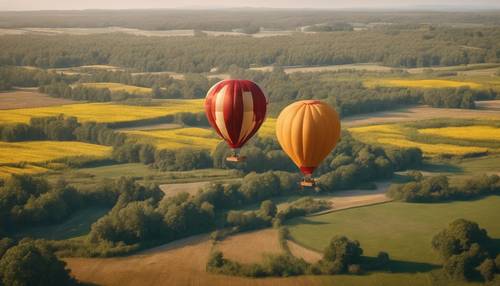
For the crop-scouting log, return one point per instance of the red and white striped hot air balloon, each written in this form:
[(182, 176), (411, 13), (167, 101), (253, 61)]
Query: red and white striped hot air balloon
[(236, 109)]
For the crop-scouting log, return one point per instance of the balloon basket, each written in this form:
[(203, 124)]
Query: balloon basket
[(236, 158), (307, 183)]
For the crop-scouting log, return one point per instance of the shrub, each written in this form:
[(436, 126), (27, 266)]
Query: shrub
[(355, 269), (29, 263), (487, 269)]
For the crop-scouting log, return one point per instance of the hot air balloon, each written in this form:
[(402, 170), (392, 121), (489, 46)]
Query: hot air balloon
[(235, 109), (308, 131)]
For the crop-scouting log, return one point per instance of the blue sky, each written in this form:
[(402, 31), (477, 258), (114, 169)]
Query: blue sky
[(144, 4)]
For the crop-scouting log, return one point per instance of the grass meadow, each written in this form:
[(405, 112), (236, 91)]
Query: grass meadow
[(420, 83), (119, 87), (404, 230)]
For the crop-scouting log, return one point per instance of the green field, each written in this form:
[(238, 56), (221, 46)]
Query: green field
[(89, 177), (404, 230), (119, 87), (76, 226)]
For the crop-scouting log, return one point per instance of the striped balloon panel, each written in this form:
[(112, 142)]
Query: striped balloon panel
[(236, 109), (307, 131)]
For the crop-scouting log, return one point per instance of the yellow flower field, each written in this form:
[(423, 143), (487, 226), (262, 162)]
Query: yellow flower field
[(6, 171), (42, 151), (268, 128), (117, 87), (433, 149), (422, 83), (104, 112), (466, 132), (193, 137), (396, 135)]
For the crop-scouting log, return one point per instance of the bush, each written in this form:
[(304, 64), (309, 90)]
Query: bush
[(342, 252), (29, 263), (487, 269), (465, 246), (459, 267), (355, 269)]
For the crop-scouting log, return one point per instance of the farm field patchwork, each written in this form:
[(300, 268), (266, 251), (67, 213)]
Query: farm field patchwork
[(26, 98), (42, 151), (420, 83), (404, 230), (465, 132), (119, 87), (104, 112), (432, 141), (178, 138), (6, 171)]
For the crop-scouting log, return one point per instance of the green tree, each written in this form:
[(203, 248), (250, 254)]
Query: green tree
[(31, 264)]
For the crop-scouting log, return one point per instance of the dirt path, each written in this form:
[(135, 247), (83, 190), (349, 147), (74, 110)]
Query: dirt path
[(183, 262), (307, 254), (486, 110), (178, 263)]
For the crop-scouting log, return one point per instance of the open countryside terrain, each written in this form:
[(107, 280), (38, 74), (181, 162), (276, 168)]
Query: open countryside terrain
[(194, 137), (433, 141), (26, 98), (391, 53), (103, 112), (404, 230), (117, 87)]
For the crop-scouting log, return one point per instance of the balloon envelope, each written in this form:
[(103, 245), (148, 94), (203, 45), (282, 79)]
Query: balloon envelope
[(236, 109), (307, 131)]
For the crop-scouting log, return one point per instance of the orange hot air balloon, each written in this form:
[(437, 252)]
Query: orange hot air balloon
[(308, 131)]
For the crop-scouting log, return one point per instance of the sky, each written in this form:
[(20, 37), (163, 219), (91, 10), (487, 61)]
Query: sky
[(332, 4)]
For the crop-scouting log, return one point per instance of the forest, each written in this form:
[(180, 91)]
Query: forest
[(439, 46), (229, 19)]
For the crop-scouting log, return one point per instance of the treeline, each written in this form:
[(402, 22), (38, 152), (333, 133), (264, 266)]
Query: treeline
[(136, 222), (467, 251), (27, 200), (230, 19), (26, 77), (412, 48), (164, 86), (61, 128), (341, 256), (351, 164), (422, 189), (350, 97), (456, 97)]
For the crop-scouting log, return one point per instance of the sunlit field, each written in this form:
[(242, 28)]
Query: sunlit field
[(268, 128), (422, 83), (42, 151), (465, 132), (119, 87), (6, 171), (104, 112), (193, 137), (460, 140)]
